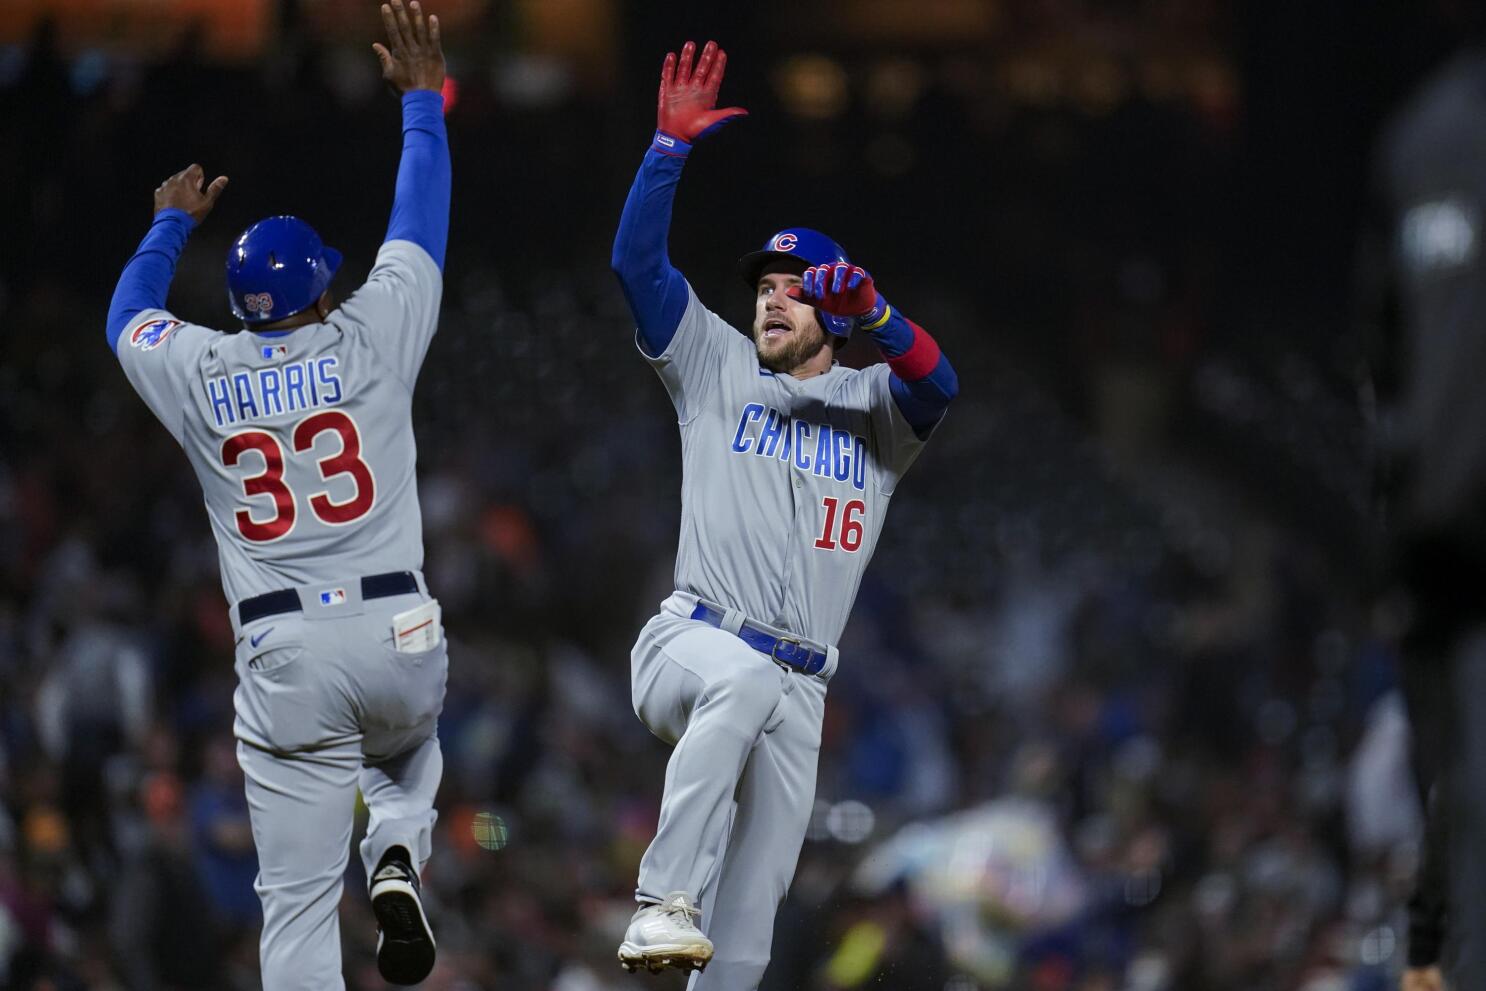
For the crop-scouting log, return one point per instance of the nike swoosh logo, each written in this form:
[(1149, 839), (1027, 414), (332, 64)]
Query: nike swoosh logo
[(256, 639)]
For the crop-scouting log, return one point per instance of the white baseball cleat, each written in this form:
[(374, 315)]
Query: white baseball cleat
[(666, 935)]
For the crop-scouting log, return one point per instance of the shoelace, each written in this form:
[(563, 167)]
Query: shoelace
[(689, 913)]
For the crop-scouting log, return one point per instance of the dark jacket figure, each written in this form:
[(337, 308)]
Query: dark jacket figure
[(1426, 279)]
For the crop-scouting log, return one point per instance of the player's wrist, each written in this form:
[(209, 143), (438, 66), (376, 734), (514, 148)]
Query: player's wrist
[(423, 110), (667, 143), (422, 104), (175, 213), (877, 317)]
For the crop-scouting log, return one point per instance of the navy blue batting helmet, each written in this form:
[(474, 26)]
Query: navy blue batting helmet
[(277, 268), (804, 247)]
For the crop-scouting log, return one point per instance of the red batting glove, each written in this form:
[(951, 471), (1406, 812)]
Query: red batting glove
[(840, 289), (684, 109)]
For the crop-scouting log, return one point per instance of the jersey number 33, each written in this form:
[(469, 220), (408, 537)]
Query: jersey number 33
[(270, 481)]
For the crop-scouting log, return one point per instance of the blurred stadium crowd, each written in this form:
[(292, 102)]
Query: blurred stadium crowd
[(1113, 711)]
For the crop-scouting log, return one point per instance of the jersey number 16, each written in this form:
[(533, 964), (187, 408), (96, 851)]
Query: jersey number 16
[(850, 538), (270, 481)]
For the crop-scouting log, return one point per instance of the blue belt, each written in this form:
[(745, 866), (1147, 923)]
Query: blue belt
[(287, 600), (785, 650)]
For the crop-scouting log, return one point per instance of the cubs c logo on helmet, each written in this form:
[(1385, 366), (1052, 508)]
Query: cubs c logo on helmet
[(151, 334), (785, 242)]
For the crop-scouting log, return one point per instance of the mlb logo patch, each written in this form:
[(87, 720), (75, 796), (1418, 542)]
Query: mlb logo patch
[(333, 597), (151, 334), (272, 351)]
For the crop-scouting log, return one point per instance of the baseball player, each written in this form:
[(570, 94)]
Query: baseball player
[(789, 461), (300, 432)]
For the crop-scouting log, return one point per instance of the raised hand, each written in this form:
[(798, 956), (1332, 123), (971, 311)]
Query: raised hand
[(184, 191), (840, 289), (413, 57), (685, 107)]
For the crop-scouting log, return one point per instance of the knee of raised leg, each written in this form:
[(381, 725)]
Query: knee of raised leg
[(752, 691)]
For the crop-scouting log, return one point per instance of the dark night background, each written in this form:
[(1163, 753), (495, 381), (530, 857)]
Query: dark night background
[(1118, 638)]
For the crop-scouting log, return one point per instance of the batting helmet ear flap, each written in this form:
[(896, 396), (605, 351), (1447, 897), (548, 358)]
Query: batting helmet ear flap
[(834, 325)]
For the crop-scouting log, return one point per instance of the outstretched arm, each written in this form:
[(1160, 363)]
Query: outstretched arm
[(181, 202), (655, 290), (923, 382), (414, 66)]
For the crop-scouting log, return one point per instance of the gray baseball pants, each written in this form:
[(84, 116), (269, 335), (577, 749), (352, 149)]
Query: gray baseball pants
[(325, 707), (739, 786)]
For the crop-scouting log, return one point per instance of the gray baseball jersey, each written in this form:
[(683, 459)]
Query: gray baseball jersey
[(785, 483), (302, 442)]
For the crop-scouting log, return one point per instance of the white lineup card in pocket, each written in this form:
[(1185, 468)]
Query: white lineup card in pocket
[(416, 630)]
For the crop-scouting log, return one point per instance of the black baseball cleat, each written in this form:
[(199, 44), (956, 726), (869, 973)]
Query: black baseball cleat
[(405, 947)]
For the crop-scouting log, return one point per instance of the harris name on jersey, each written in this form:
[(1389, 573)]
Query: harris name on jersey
[(813, 448), (265, 392)]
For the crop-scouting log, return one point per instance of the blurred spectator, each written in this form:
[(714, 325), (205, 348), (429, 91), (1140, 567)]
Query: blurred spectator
[(164, 928), (222, 837), (1426, 274)]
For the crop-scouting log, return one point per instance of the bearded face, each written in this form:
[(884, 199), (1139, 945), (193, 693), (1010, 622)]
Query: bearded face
[(786, 332)]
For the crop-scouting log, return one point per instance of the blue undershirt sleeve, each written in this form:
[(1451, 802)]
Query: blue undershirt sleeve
[(893, 338), (655, 290), (923, 402), (420, 208), (146, 277)]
